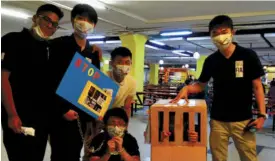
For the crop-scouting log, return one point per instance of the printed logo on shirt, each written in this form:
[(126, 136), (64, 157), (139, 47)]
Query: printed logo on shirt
[(239, 69), (89, 60), (2, 56)]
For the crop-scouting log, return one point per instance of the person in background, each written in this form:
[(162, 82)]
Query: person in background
[(271, 94), (24, 62), (115, 143), (69, 123), (236, 71), (121, 61)]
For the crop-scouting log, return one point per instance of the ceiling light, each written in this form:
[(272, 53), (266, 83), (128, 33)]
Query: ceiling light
[(178, 57), (96, 37), (270, 35), (94, 3), (179, 52), (13, 13), (156, 42), (113, 41), (183, 66), (161, 62), (198, 38), (186, 65), (196, 55), (161, 68), (175, 33), (152, 47), (96, 42), (146, 66), (171, 39)]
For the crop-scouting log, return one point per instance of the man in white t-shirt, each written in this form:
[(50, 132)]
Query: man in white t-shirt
[(121, 61)]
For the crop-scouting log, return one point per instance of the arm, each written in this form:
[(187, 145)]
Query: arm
[(259, 94), (128, 104), (196, 87), (105, 157), (8, 55), (7, 98), (127, 157)]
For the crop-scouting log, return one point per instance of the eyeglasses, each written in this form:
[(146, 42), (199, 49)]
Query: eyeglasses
[(49, 21)]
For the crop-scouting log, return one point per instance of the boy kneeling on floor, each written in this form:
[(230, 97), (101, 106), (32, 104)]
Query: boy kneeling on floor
[(115, 143)]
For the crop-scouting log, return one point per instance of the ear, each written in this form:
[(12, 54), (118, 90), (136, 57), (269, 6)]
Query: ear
[(111, 63), (234, 31), (34, 17)]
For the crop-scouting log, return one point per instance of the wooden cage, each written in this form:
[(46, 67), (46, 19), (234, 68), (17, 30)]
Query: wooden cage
[(177, 148)]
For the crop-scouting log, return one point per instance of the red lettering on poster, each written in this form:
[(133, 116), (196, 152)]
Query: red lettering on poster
[(78, 62), (85, 67)]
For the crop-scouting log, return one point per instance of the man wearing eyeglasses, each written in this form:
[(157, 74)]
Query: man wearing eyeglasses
[(24, 86)]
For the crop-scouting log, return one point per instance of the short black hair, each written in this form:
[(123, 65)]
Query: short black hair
[(221, 20), (85, 10), (50, 8), (116, 112), (121, 51)]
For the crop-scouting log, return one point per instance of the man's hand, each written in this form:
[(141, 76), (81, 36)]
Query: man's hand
[(97, 49), (71, 115), (15, 124), (119, 142), (193, 136), (258, 123), (111, 146), (183, 94)]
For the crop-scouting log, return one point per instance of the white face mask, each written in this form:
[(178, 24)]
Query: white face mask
[(40, 33), (114, 131), (83, 28), (222, 41)]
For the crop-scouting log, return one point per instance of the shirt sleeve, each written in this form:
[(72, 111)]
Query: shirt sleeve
[(206, 71), (255, 68), (133, 89), (133, 148), (8, 53)]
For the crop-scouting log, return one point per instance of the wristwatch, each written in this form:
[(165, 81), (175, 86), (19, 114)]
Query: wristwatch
[(265, 116)]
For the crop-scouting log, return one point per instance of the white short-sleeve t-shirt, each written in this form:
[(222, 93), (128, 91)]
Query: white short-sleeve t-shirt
[(126, 88)]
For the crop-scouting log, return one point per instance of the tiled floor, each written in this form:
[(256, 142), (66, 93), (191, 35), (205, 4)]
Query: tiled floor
[(265, 142)]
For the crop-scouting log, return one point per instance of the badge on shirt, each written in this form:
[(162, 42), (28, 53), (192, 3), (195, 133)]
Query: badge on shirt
[(2, 56), (239, 69), (89, 60)]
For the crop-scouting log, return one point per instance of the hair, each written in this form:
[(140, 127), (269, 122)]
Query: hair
[(272, 83), (84, 10), (188, 81), (221, 20), (121, 51), (116, 112), (50, 8)]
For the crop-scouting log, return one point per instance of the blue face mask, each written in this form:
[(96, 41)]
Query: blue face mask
[(83, 28)]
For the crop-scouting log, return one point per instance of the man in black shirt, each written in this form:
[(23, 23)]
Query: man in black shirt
[(70, 122), (236, 71), (24, 86), (115, 143)]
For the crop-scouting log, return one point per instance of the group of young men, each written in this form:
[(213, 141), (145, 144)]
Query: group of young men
[(33, 66), (31, 72)]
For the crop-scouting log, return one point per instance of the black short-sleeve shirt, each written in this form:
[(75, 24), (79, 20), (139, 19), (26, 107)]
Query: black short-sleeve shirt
[(99, 144), (25, 57), (232, 83), (62, 51)]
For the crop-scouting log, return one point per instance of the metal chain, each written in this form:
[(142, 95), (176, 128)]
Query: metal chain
[(86, 142)]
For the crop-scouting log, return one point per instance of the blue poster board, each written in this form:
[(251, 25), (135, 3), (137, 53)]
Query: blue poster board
[(87, 88)]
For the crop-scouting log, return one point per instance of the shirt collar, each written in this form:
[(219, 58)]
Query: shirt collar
[(88, 46)]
